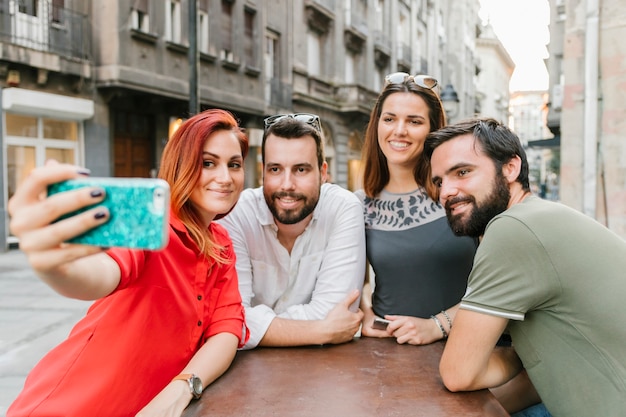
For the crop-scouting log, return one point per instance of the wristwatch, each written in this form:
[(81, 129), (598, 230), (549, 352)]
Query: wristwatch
[(195, 384)]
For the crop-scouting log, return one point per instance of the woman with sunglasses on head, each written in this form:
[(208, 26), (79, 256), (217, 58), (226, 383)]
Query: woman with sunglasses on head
[(166, 322), (420, 266)]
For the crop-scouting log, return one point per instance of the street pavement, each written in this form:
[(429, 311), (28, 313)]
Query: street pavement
[(33, 319)]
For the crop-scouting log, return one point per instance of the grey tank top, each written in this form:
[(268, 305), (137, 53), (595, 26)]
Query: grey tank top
[(421, 267)]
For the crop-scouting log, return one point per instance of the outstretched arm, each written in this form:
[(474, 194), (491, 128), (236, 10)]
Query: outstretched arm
[(67, 268)]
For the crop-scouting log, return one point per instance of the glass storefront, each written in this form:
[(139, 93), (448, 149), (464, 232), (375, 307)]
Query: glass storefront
[(31, 140), (36, 126)]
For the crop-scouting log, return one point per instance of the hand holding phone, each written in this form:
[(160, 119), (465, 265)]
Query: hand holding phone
[(380, 324), (138, 207)]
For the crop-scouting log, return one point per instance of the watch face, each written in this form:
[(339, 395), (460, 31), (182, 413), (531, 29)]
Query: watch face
[(197, 385)]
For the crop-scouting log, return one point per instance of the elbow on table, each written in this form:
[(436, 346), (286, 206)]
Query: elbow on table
[(454, 380)]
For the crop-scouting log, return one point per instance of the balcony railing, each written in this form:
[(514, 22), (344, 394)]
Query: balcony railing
[(46, 28)]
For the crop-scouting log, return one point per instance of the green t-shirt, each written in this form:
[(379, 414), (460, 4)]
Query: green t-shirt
[(561, 278)]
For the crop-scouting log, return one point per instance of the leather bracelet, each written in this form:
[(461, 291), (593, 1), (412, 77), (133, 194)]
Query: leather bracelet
[(445, 314), (443, 331)]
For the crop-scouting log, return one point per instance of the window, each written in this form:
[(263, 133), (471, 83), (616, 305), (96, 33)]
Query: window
[(380, 15), (30, 27), (379, 75), (32, 140), (203, 31), (28, 7), (249, 36), (227, 31), (403, 32), (172, 21), (57, 11), (313, 53), (272, 62), (349, 68), (139, 18)]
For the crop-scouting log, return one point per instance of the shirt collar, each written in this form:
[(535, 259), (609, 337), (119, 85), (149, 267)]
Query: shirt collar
[(177, 224)]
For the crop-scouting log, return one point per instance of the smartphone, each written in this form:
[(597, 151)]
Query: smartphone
[(139, 209), (380, 324)]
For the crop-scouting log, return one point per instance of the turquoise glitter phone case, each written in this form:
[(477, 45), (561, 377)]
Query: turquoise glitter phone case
[(139, 209)]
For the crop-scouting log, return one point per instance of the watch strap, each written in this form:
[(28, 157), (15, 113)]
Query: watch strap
[(190, 380), (185, 377)]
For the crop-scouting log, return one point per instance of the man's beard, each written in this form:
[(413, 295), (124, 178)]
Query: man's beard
[(291, 216), (481, 214)]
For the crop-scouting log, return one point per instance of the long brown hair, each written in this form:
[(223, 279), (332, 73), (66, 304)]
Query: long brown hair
[(375, 169), (181, 167)]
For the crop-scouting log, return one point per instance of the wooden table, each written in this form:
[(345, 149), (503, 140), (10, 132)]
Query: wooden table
[(366, 377)]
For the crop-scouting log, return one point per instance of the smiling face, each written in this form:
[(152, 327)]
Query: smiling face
[(222, 177), (470, 189), (291, 178), (402, 128)]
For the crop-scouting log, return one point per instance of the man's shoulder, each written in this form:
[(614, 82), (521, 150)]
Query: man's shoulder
[(249, 199), (251, 194), (536, 212), (250, 205), (338, 195)]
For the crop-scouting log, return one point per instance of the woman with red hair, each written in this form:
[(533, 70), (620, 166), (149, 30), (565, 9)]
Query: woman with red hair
[(166, 322)]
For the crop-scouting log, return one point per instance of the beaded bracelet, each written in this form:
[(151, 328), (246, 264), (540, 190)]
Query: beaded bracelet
[(445, 314), (443, 331)]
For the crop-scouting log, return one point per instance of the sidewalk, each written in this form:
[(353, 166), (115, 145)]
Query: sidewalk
[(33, 319)]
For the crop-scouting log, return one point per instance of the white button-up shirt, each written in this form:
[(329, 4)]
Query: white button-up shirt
[(326, 262)]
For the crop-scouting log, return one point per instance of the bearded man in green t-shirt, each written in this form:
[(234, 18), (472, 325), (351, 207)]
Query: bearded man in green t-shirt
[(552, 277)]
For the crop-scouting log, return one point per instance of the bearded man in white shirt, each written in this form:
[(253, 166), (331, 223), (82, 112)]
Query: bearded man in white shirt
[(299, 241)]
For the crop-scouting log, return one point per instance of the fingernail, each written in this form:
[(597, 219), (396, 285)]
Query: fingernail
[(96, 193), (83, 171), (100, 215)]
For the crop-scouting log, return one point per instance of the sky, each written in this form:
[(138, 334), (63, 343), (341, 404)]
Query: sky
[(522, 27)]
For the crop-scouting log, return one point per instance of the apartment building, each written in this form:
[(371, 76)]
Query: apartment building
[(496, 69), (103, 83), (586, 106)]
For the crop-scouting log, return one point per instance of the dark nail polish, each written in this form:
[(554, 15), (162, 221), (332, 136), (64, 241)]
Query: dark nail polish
[(84, 171), (96, 193), (100, 215)]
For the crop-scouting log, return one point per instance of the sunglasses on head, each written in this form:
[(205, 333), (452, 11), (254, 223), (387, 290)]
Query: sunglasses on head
[(424, 81), (308, 118)]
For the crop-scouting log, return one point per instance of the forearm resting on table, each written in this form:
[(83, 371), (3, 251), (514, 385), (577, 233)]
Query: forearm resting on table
[(213, 358), (208, 363), (502, 365), (287, 332), (517, 394)]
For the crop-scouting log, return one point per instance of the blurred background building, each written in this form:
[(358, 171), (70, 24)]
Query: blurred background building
[(587, 106), (495, 69), (103, 83)]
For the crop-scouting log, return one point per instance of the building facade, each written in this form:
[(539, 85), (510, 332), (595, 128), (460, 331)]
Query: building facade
[(496, 68), (102, 83), (588, 106)]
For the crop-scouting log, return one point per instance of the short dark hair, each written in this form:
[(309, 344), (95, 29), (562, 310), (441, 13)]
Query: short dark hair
[(493, 138), (290, 128)]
